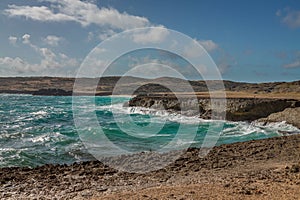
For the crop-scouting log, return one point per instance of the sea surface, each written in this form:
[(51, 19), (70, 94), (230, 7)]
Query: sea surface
[(38, 130)]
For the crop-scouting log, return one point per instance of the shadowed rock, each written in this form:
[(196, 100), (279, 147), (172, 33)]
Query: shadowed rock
[(289, 115), (237, 109)]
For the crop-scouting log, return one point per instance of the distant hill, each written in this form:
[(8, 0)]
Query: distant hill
[(30, 85)]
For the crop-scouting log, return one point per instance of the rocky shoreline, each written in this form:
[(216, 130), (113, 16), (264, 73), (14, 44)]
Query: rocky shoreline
[(262, 169), (237, 109)]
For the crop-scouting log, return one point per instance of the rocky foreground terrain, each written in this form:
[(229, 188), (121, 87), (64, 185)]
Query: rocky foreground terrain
[(262, 169)]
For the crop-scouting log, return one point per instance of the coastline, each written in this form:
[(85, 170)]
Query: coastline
[(260, 169), (157, 100), (65, 86), (264, 110)]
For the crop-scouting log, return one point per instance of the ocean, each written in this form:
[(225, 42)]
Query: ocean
[(38, 130)]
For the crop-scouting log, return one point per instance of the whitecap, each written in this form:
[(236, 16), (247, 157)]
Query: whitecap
[(41, 112), (42, 138), (7, 149), (162, 115), (277, 127)]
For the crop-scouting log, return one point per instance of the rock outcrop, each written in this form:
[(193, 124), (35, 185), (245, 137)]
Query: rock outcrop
[(236, 109), (289, 115)]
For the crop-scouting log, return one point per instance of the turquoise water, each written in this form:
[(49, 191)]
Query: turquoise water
[(36, 130)]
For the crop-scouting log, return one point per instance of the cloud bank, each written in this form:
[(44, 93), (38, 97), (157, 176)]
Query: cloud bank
[(50, 61), (84, 13)]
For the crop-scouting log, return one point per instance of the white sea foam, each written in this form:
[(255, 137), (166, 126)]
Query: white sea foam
[(277, 126), (6, 149), (17, 95), (162, 114), (41, 138), (41, 112), (241, 129), (54, 136), (238, 129), (245, 128)]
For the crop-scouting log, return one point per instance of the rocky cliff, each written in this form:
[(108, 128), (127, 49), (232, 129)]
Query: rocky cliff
[(289, 115), (237, 109)]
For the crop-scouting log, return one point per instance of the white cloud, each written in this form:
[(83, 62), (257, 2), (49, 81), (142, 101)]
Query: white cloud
[(151, 35), (102, 34), (208, 45), (83, 12), (38, 13), (26, 39), (294, 64), (52, 40), (15, 65), (106, 34), (151, 67), (11, 61), (193, 50), (63, 56), (50, 62), (99, 50), (12, 40), (289, 17), (224, 60), (49, 58), (154, 70), (90, 36), (65, 61), (88, 13)]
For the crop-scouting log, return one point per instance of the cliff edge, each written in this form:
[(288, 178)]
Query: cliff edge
[(237, 109)]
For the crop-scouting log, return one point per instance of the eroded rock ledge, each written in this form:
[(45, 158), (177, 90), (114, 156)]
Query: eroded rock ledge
[(289, 115), (237, 109)]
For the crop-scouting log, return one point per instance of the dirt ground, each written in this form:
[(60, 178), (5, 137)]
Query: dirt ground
[(262, 169)]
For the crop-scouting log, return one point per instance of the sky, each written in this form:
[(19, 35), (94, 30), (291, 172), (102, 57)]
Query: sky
[(250, 41)]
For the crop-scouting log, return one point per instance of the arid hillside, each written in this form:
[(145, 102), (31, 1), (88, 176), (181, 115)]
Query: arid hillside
[(128, 85)]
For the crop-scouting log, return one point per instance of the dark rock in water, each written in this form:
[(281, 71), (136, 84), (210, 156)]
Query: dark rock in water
[(52, 92), (288, 132)]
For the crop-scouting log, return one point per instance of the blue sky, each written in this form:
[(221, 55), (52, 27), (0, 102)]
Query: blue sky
[(252, 41)]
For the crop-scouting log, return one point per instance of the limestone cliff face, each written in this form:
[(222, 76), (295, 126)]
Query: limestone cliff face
[(236, 109)]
